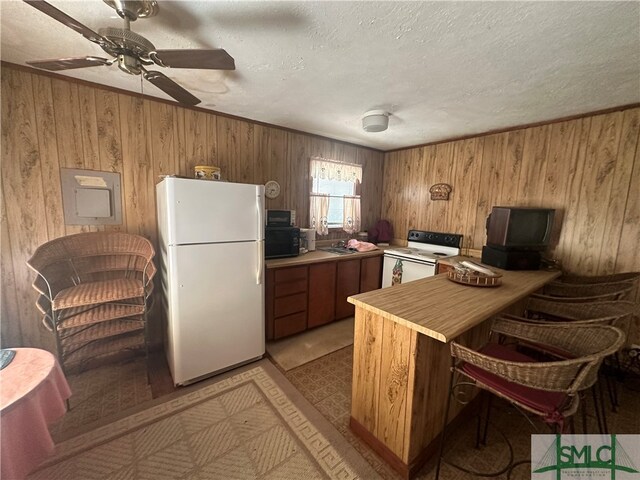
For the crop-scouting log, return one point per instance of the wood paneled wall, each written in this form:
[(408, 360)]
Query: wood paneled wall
[(49, 123), (588, 169)]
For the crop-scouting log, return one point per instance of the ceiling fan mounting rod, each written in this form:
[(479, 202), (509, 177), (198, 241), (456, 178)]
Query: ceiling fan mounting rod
[(134, 9)]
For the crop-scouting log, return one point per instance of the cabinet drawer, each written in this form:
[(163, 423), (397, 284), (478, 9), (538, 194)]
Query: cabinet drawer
[(285, 326), (289, 288), (291, 304), (291, 274)]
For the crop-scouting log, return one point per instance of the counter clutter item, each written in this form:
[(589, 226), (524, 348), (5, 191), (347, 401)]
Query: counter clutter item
[(473, 274), (6, 356)]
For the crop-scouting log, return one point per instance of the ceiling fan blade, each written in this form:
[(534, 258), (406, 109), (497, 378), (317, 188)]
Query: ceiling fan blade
[(70, 22), (171, 88), (214, 59), (69, 63)]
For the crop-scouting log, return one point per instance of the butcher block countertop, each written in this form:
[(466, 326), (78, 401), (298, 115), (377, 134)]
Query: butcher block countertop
[(442, 309), (318, 256)]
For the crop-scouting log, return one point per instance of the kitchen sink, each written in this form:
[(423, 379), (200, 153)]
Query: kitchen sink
[(338, 250)]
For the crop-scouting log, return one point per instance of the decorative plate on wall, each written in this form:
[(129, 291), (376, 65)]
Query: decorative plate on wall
[(440, 191)]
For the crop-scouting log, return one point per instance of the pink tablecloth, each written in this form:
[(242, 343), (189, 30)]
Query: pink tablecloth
[(33, 391)]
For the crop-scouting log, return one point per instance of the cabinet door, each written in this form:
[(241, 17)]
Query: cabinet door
[(370, 273), (322, 288), (347, 284)]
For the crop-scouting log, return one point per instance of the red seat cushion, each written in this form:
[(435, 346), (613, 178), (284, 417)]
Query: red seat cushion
[(549, 403)]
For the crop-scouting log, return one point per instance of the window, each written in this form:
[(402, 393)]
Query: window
[(334, 197)]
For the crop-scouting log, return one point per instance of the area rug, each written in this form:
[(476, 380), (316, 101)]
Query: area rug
[(292, 352), (249, 425)]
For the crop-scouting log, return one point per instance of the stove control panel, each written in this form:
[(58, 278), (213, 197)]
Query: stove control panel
[(436, 238)]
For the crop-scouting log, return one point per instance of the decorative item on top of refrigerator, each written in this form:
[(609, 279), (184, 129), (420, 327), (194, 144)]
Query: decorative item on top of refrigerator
[(212, 260)]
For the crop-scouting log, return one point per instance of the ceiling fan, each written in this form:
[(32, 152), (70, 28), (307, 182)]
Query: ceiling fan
[(131, 51)]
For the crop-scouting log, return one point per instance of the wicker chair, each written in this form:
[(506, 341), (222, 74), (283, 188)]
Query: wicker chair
[(615, 278), (616, 313), (548, 389), (590, 279), (542, 310), (576, 293), (94, 291)]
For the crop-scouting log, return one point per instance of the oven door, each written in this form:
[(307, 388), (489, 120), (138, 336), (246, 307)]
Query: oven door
[(411, 269)]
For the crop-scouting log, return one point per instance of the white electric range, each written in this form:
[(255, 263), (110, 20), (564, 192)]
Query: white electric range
[(418, 259)]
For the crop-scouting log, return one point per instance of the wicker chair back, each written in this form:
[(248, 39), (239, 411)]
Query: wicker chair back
[(575, 293)]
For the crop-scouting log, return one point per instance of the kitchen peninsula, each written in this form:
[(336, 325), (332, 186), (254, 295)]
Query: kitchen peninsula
[(401, 358)]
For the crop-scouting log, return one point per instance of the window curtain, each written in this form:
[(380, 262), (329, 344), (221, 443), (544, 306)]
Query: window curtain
[(323, 169), (319, 210), (332, 170), (351, 219)]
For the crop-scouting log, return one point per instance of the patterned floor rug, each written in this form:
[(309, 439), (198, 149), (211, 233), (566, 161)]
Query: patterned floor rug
[(252, 424), (326, 383)]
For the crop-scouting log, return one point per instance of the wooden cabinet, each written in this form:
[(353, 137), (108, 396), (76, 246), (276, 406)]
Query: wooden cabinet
[(322, 287), (347, 284), (370, 273), (307, 296), (286, 301)]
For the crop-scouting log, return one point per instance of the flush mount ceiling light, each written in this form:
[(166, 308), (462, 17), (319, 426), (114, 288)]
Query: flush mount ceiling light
[(375, 121)]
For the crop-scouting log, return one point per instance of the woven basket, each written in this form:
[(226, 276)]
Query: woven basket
[(473, 279)]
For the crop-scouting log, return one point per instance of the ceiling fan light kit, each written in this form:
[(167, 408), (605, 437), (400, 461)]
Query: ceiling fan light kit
[(132, 52), (375, 121)]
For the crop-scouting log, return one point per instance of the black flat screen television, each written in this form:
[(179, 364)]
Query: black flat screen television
[(519, 228)]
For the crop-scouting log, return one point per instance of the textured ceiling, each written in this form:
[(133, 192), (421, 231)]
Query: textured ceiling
[(443, 69)]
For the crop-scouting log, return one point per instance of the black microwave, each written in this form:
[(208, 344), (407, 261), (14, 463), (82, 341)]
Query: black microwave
[(281, 242)]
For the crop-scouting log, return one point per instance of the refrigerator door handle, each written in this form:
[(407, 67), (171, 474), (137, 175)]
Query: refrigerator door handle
[(260, 207), (259, 273)]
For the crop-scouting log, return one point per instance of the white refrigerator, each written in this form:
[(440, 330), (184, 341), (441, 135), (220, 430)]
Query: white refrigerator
[(212, 263)]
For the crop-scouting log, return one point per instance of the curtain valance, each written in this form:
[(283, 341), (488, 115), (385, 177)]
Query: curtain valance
[(332, 170)]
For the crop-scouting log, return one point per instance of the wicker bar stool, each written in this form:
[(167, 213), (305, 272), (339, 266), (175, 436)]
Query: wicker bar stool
[(616, 313), (94, 291), (577, 293), (548, 389), (633, 277)]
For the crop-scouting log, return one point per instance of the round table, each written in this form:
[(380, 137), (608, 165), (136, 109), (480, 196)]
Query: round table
[(33, 391)]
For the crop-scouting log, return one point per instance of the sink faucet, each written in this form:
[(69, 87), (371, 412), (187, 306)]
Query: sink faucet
[(340, 244)]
